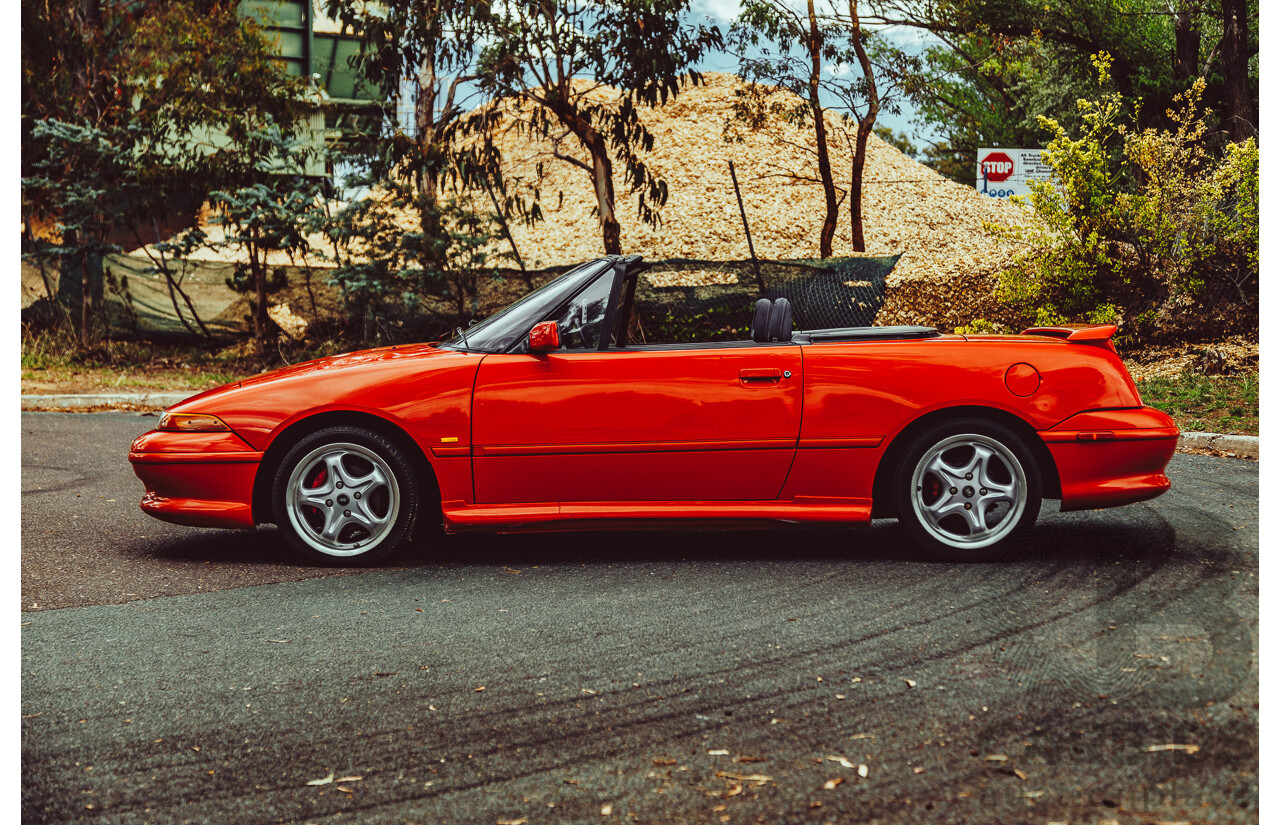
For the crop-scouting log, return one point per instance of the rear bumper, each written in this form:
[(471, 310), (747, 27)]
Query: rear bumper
[(1112, 457), (197, 479)]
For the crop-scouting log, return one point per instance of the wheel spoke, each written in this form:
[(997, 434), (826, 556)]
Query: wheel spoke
[(998, 493), (984, 470), (977, 518), (337, 472), (363, 516), (334, 521), (944, 471), (944, 506), (366, 484), (315, 498), (973, 468)]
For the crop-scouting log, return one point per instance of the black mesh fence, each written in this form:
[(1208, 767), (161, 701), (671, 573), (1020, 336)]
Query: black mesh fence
[(678, 300), (1223, 304), (686, 300)]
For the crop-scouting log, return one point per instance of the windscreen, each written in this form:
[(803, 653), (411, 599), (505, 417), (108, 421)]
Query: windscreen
[(499, 332)]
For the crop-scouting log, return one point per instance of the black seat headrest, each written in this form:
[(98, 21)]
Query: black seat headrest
[(760, 323), (779, 320)]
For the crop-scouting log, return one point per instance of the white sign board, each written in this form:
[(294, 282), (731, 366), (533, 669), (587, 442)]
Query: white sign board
[(1005, 172)]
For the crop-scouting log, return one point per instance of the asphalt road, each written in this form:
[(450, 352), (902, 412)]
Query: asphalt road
[(635, 677)]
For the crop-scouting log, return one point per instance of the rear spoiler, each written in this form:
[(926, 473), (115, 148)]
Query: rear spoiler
[(1097, 334)]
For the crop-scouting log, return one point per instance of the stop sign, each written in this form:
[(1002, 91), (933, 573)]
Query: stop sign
[(998, 166)]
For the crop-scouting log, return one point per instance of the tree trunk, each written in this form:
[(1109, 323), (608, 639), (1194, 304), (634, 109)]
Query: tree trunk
[(865, 124), (1235, 69), (1186, 54), (89, 22), (601, 170), (820, 133), (855, 187), (426, 129), (259, 270), (602, 179), (86, 300)]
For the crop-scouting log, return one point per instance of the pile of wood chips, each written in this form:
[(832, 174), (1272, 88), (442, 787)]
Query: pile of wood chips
[(943, 278)]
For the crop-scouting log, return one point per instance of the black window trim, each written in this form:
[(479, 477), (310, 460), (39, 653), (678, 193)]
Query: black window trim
[(523, 340), (611, 309)]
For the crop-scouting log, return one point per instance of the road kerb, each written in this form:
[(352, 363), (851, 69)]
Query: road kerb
[(109, 400), (1243, 445)]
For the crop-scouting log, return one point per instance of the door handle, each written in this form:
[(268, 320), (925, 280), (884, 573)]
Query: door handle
[(760, 374)]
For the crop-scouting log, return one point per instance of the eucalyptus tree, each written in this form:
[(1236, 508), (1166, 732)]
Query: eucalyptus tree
[(862, 98), (765, 34), (423, 162), (425, 49), (556, 60), (269, 208), (779, 48)]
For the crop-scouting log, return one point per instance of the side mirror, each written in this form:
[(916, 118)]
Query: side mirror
[(544, 337)]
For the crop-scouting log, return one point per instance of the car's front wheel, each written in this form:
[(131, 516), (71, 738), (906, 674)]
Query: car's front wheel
[(345, 495), (966, 488)]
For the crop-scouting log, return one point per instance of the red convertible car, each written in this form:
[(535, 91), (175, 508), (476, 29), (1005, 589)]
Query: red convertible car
[(545, 416)]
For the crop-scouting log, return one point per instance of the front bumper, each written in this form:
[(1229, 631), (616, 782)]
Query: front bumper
[(198, 479), (1111, 457)]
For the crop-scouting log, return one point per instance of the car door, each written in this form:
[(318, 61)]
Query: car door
[(711, 422), (694, 424)]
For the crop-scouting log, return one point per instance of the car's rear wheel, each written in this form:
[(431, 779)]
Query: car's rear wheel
[(345, 496), (966, 488)]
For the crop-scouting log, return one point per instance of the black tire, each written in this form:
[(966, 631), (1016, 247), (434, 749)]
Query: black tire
[(357, 519), (973, 518)]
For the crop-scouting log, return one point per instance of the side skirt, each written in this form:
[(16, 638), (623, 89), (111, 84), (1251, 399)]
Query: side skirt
[(582, 515)]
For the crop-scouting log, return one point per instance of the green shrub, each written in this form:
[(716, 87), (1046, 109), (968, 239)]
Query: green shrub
[(1148, 230)]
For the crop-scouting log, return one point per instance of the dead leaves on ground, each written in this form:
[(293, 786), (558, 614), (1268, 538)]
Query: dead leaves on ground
[(1182, 748), (329, 780), (756, 779)]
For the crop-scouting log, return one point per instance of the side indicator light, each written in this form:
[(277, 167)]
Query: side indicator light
[(1097, 435), (449, 440)]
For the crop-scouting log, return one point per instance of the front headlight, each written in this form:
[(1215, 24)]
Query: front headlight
[(191, 423)]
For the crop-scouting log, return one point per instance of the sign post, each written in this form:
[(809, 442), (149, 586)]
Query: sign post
[(1003, 173)]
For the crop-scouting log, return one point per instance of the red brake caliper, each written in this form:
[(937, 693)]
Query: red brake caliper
[(932, 489)]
